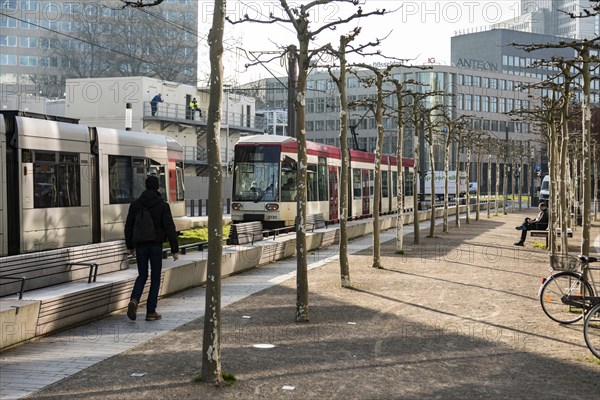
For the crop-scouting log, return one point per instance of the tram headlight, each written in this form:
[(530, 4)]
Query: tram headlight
[(237, 206), (271, 207)]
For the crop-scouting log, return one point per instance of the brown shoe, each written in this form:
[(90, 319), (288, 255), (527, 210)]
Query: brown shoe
[(154, 316), (132, 309)]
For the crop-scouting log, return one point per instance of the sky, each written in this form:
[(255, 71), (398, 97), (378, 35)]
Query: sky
[(416, 30)]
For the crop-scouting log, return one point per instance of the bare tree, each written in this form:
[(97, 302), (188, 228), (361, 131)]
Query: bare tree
[(299, 17), (400, 112), (140, 3), (377, 79), (211, 344), (140, 42), (343, 50)]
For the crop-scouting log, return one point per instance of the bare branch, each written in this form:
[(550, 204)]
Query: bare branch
[(140, 3)]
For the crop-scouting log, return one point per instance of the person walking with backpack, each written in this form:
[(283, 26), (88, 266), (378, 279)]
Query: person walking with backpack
[(149, 223)]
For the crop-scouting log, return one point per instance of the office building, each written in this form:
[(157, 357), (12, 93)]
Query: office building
[(43, 43)]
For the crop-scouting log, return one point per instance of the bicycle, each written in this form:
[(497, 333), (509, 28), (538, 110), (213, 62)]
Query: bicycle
[(565, 296), (591, 329)]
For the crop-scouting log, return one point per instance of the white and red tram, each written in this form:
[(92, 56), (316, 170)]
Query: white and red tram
[(264, 181)]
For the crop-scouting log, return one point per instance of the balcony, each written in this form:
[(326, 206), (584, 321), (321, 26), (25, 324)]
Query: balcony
[(168, 114)]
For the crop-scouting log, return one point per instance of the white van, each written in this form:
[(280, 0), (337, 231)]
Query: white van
[(545, 190)]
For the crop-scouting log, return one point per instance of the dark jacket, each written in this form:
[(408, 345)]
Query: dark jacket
[(542, 217), (161, 213)]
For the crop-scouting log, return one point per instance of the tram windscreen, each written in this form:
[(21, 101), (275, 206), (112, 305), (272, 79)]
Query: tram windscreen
[(256, 173)]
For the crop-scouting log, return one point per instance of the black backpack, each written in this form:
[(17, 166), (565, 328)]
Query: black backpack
[(144, 229)]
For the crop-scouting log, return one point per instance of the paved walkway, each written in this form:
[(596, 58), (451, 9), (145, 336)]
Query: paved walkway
[(35, 365), (42, 362)]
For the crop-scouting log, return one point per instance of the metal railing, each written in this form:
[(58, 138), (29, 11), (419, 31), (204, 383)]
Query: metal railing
[(174, 111)]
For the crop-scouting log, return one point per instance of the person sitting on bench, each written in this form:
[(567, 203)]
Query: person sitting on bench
[(538, 224)]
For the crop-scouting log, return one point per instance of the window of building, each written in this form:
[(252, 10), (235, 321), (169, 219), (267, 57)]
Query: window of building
[(493, 83), (493, 104), (486, 82), (28, 42), (321, 104), (468, 102), (49, 62), (477, 81), (28, 61), (7, 22), (319, 126), (502, 84), (352, 82), (310, 106), (485, 104), (8, 41), (476, 103)]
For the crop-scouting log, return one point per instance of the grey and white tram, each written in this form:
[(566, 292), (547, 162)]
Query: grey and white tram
[(66, 184)]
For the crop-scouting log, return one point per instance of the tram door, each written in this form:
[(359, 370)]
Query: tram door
[(365, 192), (333, 193)]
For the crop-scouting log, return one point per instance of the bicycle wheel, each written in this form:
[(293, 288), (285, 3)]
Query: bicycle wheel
[(554, 296), (591, 330)]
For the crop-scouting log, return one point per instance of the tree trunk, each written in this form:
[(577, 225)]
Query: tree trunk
[(344, 176), (445, 227), (478, 207), (468, 170), (416, 185), (432, 167), (400, 181), (586, 145), (458, 146), (301, 252), (211, 345), (378, 155)]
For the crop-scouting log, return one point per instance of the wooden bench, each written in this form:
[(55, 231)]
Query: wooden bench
[(315, 221), (245, 232), (31, 271), (278, 231), (544, 234)]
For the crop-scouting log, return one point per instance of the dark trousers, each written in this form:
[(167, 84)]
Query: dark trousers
[(143, 253), (532, 226), (154, 108)]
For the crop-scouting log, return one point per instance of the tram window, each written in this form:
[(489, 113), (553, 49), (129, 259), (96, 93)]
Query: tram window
[(119, 179), (312, 183), (395, 184), (157, 170), (357, 187), (256, 173), (288, 179), (322, 179), (56, 179), (180, 188), (371, 183), (409, 178), (384, 184)]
